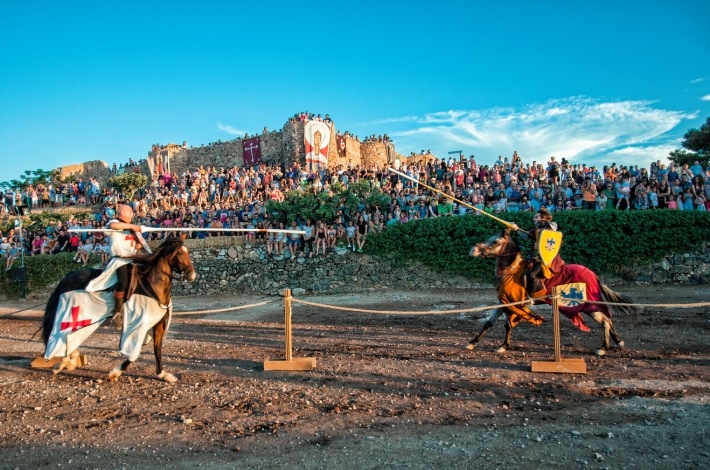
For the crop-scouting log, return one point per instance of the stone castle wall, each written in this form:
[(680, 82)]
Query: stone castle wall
[(93, 169), (283, 147)]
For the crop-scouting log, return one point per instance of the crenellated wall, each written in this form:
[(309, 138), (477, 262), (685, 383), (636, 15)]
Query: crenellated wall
[(284, 147), (376, 154)]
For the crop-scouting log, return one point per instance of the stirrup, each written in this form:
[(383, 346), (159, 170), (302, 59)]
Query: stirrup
[(117, 321)]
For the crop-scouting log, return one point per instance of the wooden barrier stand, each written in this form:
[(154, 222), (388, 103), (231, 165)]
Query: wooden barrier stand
[(569, 366), (291, 363)]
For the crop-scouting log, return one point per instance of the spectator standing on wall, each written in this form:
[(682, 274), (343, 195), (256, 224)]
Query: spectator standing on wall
[(665, 193), (308, 237), (589, 194), (294, 241), (362, 230)]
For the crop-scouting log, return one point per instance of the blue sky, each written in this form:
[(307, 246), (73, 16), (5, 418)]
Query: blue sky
[(595, 83)]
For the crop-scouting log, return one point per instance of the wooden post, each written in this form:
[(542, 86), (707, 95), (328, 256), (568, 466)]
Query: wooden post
[(300, 363), (569, 366), (556, 324)]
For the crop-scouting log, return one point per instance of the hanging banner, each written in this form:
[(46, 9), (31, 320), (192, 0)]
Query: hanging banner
[(151, 167), (340, 141), (252, 151), (317, 138)]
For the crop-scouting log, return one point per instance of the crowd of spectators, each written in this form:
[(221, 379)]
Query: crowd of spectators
[(236, 197)]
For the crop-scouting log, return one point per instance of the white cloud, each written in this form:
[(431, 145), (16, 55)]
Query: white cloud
[(230, 129), (581, 129), (705, 98), (697, 80), (647, 153)]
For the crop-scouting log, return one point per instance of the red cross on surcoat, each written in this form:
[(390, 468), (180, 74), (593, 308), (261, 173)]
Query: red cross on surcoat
[(75, 324)]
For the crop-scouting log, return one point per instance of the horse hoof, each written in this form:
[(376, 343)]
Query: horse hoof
[(114, 374), (168, 377), (470, 346), (501, 350), (67, 363), (620, 345), (601, 352)]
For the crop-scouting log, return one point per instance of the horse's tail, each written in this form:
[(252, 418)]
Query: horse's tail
[(50, 313), (611, 296)]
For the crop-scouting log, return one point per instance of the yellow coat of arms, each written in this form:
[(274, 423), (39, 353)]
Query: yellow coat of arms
[(548, 245)]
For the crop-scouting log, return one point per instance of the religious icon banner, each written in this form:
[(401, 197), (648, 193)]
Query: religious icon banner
[(317, 138), (252, 151)]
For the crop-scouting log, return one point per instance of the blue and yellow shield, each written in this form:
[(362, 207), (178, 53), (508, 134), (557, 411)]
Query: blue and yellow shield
[(549, 245)]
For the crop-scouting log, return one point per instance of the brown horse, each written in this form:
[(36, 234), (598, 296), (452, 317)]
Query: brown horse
[(153, 276), (511, 270)]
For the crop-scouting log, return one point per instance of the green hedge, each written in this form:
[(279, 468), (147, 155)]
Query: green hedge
[(42, 272), (608, 242)]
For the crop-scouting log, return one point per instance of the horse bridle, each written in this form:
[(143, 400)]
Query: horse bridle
[(511, 253), (514, 253), (170, 263)]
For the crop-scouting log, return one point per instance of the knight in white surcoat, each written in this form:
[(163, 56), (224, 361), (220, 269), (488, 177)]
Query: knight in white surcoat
[(123, 245)]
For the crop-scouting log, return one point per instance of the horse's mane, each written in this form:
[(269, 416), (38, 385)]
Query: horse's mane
[(145, 263), (508, 233)]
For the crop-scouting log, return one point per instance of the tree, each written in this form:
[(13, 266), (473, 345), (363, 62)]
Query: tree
[(30, 177), (128, 183), (302, 205), (698, 142)]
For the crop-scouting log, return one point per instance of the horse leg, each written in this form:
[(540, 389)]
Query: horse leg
[(489, 323), (508, 332), (158, 335), (609, 332), (615, 336), (69, 363), (117, 371)]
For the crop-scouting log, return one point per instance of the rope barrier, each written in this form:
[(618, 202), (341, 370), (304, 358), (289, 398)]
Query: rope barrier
[(480, 309), (428, 312), (398, 312), (617, 304), (228, 309), (18, 311)]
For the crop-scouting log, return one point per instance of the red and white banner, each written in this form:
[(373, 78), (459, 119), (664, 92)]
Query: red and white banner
[(340, 142), (79, 313), (317, 139), (252, 151), (140, 315)]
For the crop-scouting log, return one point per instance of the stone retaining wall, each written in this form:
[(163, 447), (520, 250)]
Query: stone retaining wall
[(242, 269), (686, 268)]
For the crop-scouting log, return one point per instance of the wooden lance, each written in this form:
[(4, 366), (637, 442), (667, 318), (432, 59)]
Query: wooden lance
[(504, 222), (145, 229)]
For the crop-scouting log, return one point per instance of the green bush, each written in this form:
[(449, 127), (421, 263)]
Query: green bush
[(323, 206), (607, 242)]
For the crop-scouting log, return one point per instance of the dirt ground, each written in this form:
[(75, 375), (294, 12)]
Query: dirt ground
[(389, 391)]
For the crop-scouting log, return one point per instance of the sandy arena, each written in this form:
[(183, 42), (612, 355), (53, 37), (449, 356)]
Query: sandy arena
[(389, 391)]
